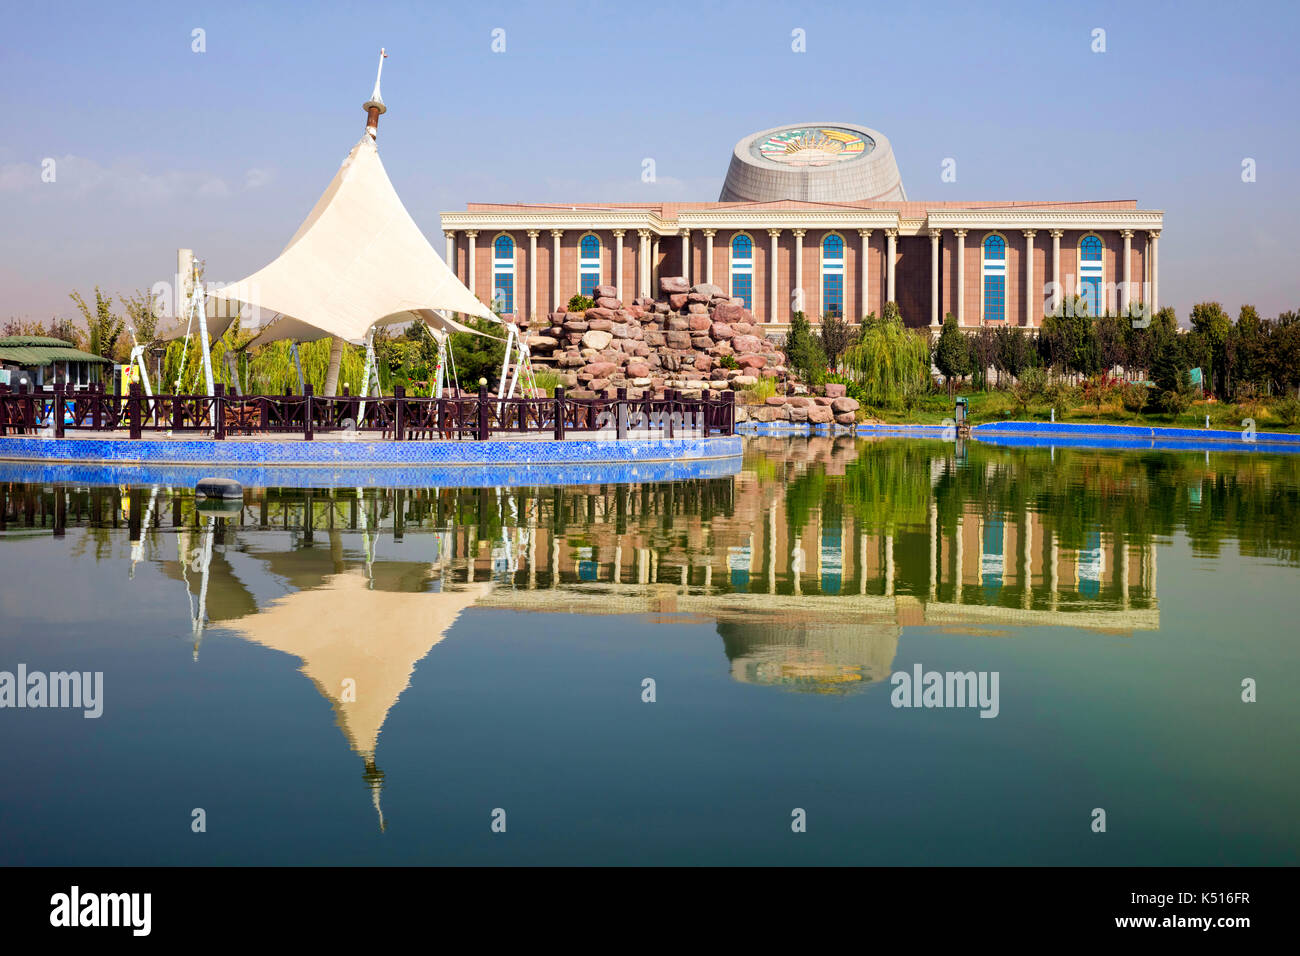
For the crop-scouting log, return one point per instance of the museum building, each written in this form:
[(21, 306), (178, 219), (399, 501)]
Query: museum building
[(815, 217)]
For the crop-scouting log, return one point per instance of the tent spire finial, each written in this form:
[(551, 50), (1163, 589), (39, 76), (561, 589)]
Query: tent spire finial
[(375, 105)]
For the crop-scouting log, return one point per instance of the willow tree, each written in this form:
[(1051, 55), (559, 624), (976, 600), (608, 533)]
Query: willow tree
[(890, 362)]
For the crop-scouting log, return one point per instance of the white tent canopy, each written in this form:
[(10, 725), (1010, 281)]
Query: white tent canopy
[(359, 260)]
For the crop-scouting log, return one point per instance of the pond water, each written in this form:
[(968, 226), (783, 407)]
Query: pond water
[(396, 675)]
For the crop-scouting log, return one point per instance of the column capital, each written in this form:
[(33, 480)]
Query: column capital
[(710, 232), (534, 233), (471, 233), (864, 233), (774, 233), (643, 233), (1126, 233), (1153, 233), (557, 233), (936, 233), (891, 233), (449, 233), (1029, 233), (798, 233), (959, 233), (619, 233), (1057, 233)]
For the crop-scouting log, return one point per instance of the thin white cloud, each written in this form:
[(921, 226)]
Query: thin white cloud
[(78, 178)]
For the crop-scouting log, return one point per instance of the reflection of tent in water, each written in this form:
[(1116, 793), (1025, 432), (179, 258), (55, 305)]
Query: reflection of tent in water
[(359, 645), (359, 632), (822, 657), (1092, 564)]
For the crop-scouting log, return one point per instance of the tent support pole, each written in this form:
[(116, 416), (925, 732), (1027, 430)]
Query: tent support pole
[(297, 365), (505, 365)]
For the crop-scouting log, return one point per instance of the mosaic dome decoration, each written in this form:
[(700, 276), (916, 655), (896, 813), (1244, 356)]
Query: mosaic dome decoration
[(813, 147), (815, 162)]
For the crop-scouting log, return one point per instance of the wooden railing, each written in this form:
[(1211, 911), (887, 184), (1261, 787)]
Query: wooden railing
[(474, 417)]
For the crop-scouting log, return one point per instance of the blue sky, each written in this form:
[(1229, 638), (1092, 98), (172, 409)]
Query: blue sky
[(225, 151)]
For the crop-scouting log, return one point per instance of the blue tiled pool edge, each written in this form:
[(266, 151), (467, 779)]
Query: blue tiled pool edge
[(367, 464), (1143, 434), (371, 453)]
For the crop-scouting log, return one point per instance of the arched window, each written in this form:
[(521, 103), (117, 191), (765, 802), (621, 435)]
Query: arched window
[(503, 274), (589, 264), (833, 275), (1091, 250), (742, 269), (994, 273)]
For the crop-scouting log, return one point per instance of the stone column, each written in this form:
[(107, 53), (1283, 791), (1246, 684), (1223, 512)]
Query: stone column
[(774, 235), (1056, 263), (471, 260), (934, 277), (1154, 235), (708, 254), (450, 235), (1029, 276), (654, 265), (643, 263), (686, 255), (532, 273), (557, 302), (618, 261), (798, 269), (891, 249), (1125, 294), (961, 275), (864, 270)]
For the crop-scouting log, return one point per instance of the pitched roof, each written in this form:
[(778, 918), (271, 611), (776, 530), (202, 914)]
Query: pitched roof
[(40, 350)]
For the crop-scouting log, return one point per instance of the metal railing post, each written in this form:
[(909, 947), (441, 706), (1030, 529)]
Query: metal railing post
[(133, 410), (559, 413), (308, 407), (620, 414), (57, 414), (219, 411), (399, 399), (484, 428)]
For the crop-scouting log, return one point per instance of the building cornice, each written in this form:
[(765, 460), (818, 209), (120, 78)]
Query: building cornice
[(1045, 219), (788, 218), (576, 219)]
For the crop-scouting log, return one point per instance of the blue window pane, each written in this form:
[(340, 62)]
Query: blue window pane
[(504, 247), (1090, 293), (833, 294), (589, 282), (995, 298), (995, 248), (503, 292), (833, 247), (1090, 249), (590, 247), (742, 287), (742, 248)]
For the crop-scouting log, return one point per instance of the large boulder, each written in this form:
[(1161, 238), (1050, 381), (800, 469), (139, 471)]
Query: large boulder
[(678, 323), (637, 369), (607, 292), (727, 312), (655, 339), (609, 302), (598, 370), (721, 330), (746, 343), (844, 404), (678, 300), (608, 315), (707, 289), (846, 418), (597, 339), (699, 323), (820, 415), (541, 343), (836, 390), (575, 325), (669, 285), (677, 339), (751, 360)]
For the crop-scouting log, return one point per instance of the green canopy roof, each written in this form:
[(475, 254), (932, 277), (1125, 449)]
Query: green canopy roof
[(41, 350)]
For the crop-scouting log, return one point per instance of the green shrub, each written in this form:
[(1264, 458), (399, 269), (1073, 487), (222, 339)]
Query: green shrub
[(1029, 386), (728, 361), (1134, 396), (1287, 410), (580, 303), (760, 392)]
